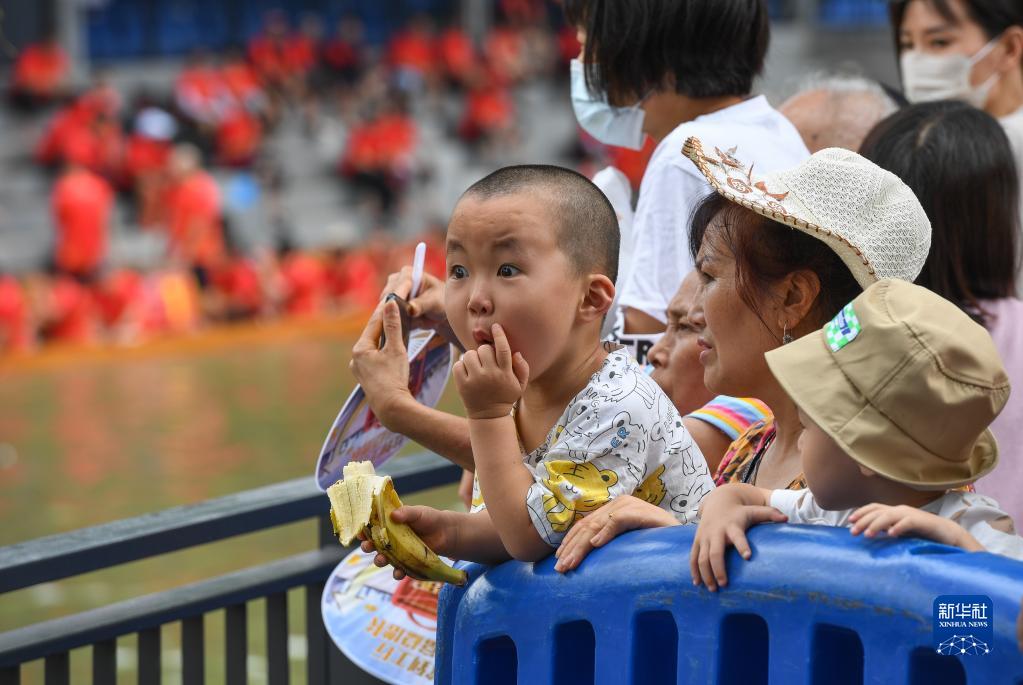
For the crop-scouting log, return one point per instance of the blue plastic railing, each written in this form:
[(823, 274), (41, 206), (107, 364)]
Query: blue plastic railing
[(813, 605)]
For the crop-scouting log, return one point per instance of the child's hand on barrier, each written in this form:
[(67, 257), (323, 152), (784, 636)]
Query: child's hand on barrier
[(724, 520), (431, 525), (623, 513), (907, 521), (490, 378)]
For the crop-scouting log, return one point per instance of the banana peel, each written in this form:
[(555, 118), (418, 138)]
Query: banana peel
[(363, 501)]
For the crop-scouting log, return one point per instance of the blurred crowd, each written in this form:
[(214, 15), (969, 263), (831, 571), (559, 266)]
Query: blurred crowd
[(155, 154)]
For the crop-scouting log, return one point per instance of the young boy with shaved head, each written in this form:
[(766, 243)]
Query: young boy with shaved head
[(559, 422)]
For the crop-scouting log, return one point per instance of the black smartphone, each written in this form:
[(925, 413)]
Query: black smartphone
[(405, 319)]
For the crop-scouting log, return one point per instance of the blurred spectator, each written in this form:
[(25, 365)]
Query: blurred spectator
[(193, 208), (81, 203), (412, 54), (69, 312), (15, 320), (118, 297), (352, 279), (302, 48), (343, 53), (837, 110), (86, 131), (242, 83), (146, 158), (569, 46), (489, 114), (457, 55), (239, 137), (41, 74), (379, 158), (504, 50), (200, 92), (266, 50), (238, 284), (303, 281)]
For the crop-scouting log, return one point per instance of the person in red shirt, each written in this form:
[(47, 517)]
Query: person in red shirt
[(353, 280), (200, 92), (70, 314), (457, 55), (40, 74), (239, 286), (489, 113), (239, 137), (16, 333), (343, 53), (146, 159), (194, 223), (242, 83), (303, 281), (504, 51), (81, 202), (412, 54), (267, 52)]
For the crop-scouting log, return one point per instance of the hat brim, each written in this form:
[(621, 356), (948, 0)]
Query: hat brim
[(807, 371), (851, 255)]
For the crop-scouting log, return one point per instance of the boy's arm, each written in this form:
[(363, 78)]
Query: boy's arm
[(491, 380), (904, 520), (505, 482), (384, 376), (725, 516)]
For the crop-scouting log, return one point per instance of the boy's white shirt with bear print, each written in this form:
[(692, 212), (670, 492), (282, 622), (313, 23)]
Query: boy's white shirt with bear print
[(979, 515), (620, 435)]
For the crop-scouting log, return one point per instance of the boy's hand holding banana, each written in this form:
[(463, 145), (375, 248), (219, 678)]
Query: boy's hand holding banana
[(361, 506)]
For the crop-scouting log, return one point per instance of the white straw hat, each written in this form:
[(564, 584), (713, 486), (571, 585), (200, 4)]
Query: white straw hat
[(866, 214)]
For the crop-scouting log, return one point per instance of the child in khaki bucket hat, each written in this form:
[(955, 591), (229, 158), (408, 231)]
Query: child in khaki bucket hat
[(895, 395)]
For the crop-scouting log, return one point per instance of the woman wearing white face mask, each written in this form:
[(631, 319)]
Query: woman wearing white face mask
[(970, 50), (670, 69)]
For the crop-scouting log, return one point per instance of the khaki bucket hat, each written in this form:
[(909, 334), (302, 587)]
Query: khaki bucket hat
[(866, 214), (906, 384)]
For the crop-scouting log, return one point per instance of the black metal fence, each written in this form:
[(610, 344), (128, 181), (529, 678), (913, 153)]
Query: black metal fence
[(91, 549)]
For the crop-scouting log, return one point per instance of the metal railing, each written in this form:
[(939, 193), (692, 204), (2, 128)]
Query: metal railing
[(90, 549)]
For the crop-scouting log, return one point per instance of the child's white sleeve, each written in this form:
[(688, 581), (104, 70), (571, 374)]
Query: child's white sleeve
[(801, 507)]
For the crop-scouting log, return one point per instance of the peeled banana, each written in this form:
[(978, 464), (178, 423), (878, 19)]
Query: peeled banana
[(363, 501)]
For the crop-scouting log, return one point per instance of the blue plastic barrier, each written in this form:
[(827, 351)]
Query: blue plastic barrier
[(813, 605)]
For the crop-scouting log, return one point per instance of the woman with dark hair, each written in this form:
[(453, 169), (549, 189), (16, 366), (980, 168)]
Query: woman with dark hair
[(670, 69), (970, 50), (778, 256), (974, 245)]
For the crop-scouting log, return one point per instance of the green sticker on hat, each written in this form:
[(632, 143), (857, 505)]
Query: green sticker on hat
[(843, 329)]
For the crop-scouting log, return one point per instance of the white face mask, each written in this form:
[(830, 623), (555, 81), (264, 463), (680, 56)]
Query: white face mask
[(945, 77), (619, 126)]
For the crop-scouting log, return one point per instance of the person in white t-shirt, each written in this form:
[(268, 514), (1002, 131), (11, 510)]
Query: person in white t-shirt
[(895, 395), (671, 69)]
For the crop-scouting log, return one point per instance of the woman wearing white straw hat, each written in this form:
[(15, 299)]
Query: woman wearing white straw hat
[(778, 255)]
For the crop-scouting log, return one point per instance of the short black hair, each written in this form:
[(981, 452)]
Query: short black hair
[(588, 232), (710, 48), (958, 162)]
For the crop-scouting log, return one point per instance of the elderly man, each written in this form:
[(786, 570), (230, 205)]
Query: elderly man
[(837, 110)]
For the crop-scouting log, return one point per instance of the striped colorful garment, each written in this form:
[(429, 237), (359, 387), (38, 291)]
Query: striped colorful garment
[(732, 415)]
